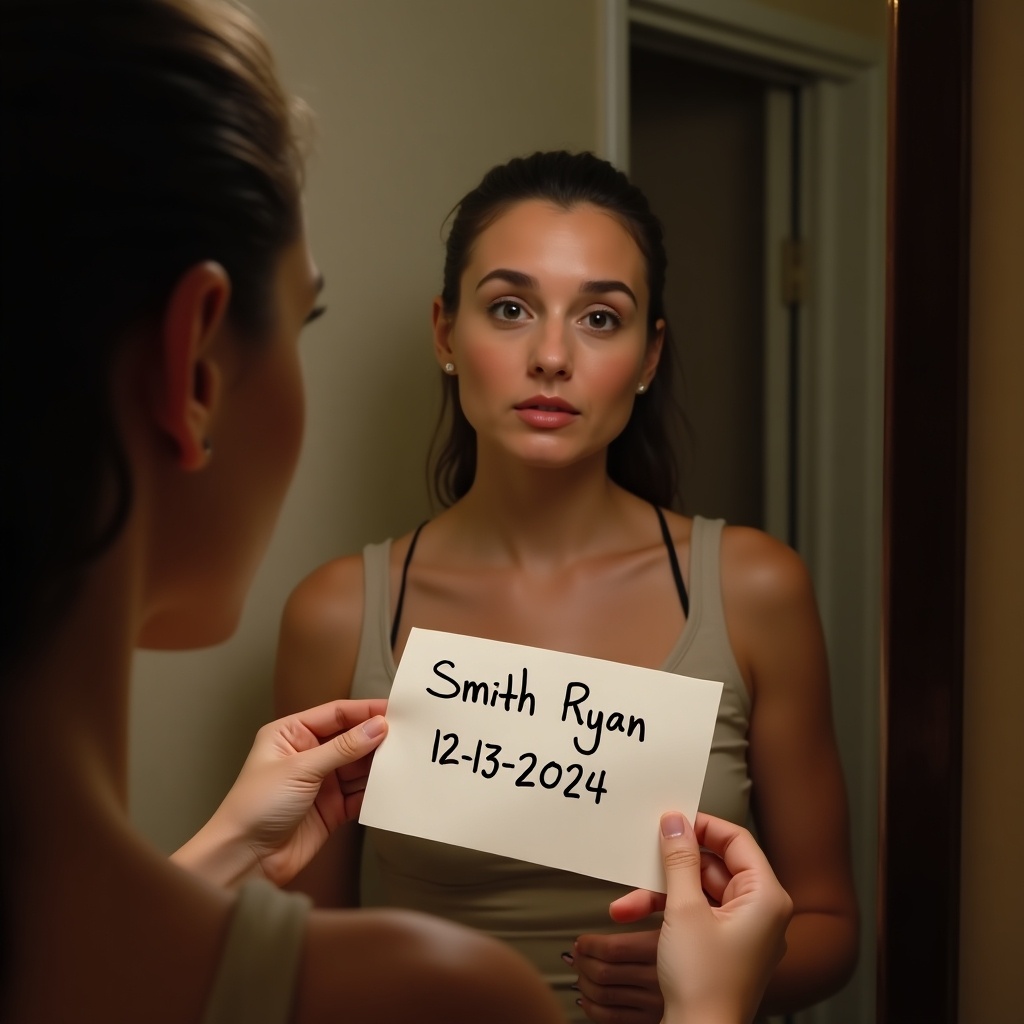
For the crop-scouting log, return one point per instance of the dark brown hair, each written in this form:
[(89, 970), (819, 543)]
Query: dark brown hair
[(140, 137), (641, 458)]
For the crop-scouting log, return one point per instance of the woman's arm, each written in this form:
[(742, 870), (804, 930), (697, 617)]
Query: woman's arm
[(799, 797), (316, 657), (303, 778), (396, 965)]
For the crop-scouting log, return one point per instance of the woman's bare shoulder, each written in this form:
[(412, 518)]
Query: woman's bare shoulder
[(391, 965), (679, 526), (771, 614), (318, 642), (760, 572), (328, 599)]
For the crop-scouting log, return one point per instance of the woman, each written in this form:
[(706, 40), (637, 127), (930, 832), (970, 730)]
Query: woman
[(156, 279), (555, 354)]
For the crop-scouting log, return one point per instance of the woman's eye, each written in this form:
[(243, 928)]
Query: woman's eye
[(507, 310), (602, 320)]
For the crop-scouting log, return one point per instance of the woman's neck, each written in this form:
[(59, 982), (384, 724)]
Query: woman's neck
[(74, 694), (65, 764), (83, 889), (544, 516)]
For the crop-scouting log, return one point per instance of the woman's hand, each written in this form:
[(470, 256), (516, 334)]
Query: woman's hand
[(304, 776), (725, 921), (618, 976)]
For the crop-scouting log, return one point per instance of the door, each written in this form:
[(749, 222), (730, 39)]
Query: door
[(713, 150)]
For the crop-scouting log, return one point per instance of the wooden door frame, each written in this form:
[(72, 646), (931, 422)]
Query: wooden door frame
[(925, 510)]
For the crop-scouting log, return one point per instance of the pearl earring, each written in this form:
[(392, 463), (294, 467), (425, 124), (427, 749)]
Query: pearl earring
[(449, 367), (641, 388)]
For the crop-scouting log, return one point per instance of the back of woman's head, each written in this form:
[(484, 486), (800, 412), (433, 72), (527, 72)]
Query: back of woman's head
[(140, 137), (641, 458)]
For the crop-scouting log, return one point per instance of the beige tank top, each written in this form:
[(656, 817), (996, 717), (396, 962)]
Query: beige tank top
[(540, 910), (255, 982)]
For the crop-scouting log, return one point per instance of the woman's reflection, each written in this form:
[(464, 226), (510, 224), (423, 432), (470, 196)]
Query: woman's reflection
[(557, 531)]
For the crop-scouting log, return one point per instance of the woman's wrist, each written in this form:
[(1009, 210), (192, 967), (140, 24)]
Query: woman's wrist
[(716, 1013), (217, 856)]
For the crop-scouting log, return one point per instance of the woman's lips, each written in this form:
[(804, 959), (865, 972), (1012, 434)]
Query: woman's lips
[(546, 412)]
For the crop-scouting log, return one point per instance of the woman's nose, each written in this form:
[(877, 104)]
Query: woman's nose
[(552, 355)]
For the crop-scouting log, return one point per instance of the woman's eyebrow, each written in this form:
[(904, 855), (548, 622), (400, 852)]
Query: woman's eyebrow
[(521, 280), (515, 277), (601, 287)]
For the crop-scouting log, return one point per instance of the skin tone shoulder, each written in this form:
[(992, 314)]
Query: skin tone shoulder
[(550, 343)]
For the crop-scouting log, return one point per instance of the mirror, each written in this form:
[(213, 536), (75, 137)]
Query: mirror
[(377, 239)]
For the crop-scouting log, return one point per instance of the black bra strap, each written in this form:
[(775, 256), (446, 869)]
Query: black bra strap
[(401, 589), (677, 575), (684, 600)]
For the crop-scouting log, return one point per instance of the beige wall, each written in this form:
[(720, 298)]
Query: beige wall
[(865, 17), (414, 101), (992, 905)]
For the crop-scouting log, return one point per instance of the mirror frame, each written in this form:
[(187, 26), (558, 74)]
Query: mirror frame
[(924, 510)]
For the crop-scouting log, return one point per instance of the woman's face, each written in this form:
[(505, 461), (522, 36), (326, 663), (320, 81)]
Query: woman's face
[(219, 520), (550, 339)]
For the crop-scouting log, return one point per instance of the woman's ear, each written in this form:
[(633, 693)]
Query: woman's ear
[(190, 376), (653, 354), (442, 333)]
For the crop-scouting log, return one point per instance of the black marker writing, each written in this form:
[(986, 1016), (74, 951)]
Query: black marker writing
[(481, 692), (486, 759), (575, 695)]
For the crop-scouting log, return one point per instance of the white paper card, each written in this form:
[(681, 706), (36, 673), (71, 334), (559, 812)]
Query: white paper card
[(546, 757)]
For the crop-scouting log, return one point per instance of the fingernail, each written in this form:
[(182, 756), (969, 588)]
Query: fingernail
[(374, 726), (568, 958), (672, 825), (575, 988)]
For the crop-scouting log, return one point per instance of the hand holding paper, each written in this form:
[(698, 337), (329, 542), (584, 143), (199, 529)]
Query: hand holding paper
[(543, 756)]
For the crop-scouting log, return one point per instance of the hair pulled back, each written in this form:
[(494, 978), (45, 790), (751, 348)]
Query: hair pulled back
[(141, 137), (641, 459)]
